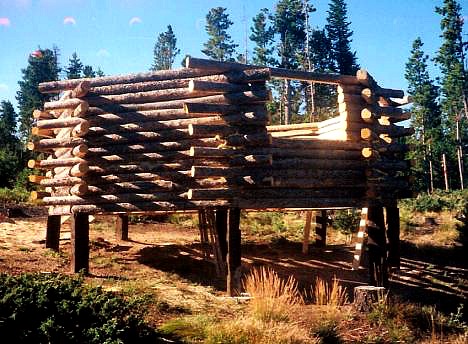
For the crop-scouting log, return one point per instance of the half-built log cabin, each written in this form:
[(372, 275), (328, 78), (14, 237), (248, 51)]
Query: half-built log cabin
[(199, 139)]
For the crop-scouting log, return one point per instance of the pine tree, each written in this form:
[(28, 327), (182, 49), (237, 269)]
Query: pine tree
[(290, 24), (88, 72), (7, 124), (41, 67), (10, 148), (426, 120), (220, 45), (75, 67), (165, 50), (454, 80), (321, 60), (339, 33), (263, 36)]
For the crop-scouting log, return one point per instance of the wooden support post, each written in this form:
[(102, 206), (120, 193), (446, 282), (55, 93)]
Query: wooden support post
[(80, 243), (376, 242), (321, 229), (53, 232), (393, 235), (307, 225), (234, 252), (203, 228), (121, 227), (221, 230), (359, 246)]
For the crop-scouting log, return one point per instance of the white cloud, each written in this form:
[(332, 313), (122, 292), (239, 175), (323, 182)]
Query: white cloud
[(69, 21), (134, 20), (102, 53), (5, 21), (3, 87)]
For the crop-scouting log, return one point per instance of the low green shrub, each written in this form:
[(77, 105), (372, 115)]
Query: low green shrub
[(60, 309), (15, 195), (454, 201), (346, 221)]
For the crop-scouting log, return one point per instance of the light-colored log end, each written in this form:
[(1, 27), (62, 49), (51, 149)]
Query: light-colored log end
[(79, 189), (191, 86), (32, 163), (366, 134), (367, 152), (190, 129), (190, 194), (81, 109), (80, 151), (79, 169), (30, 146), (192, 151), (35, 178), (37, 195)]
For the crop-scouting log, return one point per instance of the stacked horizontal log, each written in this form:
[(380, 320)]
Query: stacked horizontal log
[(377, 123), (123, 144), (199, 137)]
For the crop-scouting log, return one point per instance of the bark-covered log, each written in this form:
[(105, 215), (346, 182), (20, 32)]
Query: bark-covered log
[(222, 130), (304, 163), (248, 140), (119, 198), (151, 147), (275, 128), (331, 154), (283, 73), (250, 97), (63, 104), (184, 73), (270, 193), (59, 123), (136, 187), (221, 109), (308, 183), (316, 144), (148, 206), (143, 167), (208, 87), (49, 163)]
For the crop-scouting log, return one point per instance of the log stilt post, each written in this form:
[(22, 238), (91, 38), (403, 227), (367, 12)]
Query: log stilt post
[(204, 236), (307, 225), (221, 230), (376, 242), (393, 235), (234, 252), (359, 246), (321, 229), (80, 242), (121, 227), (53, 232)]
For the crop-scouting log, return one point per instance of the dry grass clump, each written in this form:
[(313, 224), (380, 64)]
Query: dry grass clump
[(273, 299), (248, 330), (326, 294)]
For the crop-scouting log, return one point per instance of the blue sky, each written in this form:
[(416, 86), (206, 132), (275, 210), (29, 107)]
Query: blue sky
[(119, 35)]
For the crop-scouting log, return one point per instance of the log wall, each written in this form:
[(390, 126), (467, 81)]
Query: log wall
[(199, 137)]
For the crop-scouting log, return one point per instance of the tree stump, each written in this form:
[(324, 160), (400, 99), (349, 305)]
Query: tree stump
[(365, 297)]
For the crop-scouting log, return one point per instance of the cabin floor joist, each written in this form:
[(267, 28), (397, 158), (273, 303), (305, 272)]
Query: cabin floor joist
[(199, 138)]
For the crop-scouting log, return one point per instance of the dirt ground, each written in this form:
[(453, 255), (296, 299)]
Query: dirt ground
[(167, 260)]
